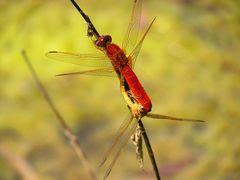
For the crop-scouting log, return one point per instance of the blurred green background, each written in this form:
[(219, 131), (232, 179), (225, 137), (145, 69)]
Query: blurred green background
[(189, 65)]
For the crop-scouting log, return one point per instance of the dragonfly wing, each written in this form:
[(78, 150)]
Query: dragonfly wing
[(133, 55), (122, 129), (109, 72), (131, 35), (90, 60), (160, 116), (121, 145)]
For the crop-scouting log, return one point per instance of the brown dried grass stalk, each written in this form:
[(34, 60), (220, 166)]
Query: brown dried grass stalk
[(73, 139)]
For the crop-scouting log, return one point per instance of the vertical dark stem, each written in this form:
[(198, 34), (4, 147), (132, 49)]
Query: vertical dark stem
[(91, 29), (149, 149)]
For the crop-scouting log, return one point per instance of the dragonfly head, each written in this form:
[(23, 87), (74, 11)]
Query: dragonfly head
[(102, 41)]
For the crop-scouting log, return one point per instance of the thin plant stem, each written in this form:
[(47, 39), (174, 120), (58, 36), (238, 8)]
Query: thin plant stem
[(149, 149), (91, 29), (18, 163), (73, 139)]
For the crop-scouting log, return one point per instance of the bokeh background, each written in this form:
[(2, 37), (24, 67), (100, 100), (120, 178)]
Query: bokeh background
[(189, 65)]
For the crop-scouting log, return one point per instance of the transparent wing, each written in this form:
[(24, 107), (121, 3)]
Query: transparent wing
[(131, 35), (160, 116), (120, 145), (90, 60), (122, 129), (133, 55), (109, 72)]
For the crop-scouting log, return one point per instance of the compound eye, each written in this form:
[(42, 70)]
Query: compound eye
[(108, 39), (103, 41)]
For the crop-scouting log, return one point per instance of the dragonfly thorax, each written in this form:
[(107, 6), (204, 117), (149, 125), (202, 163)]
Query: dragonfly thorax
[(103, 40)]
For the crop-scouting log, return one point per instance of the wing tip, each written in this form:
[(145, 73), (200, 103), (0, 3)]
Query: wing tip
[(106, 174), (159, 116), (52, 51), (48, 54), (102, 162)]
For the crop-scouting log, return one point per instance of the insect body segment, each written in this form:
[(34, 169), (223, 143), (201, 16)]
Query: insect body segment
[(120, 63), (103, 41), (137, 89)]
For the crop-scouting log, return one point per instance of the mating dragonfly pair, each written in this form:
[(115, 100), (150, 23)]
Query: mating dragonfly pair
[(115, 60)]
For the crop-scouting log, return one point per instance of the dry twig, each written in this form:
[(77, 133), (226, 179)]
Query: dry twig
[(67, 130), (18, 163)]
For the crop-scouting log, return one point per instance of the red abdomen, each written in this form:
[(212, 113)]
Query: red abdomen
[(136, 88), (120, 64)]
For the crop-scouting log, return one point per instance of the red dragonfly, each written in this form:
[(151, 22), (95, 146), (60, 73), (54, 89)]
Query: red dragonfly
[(115, 59)]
